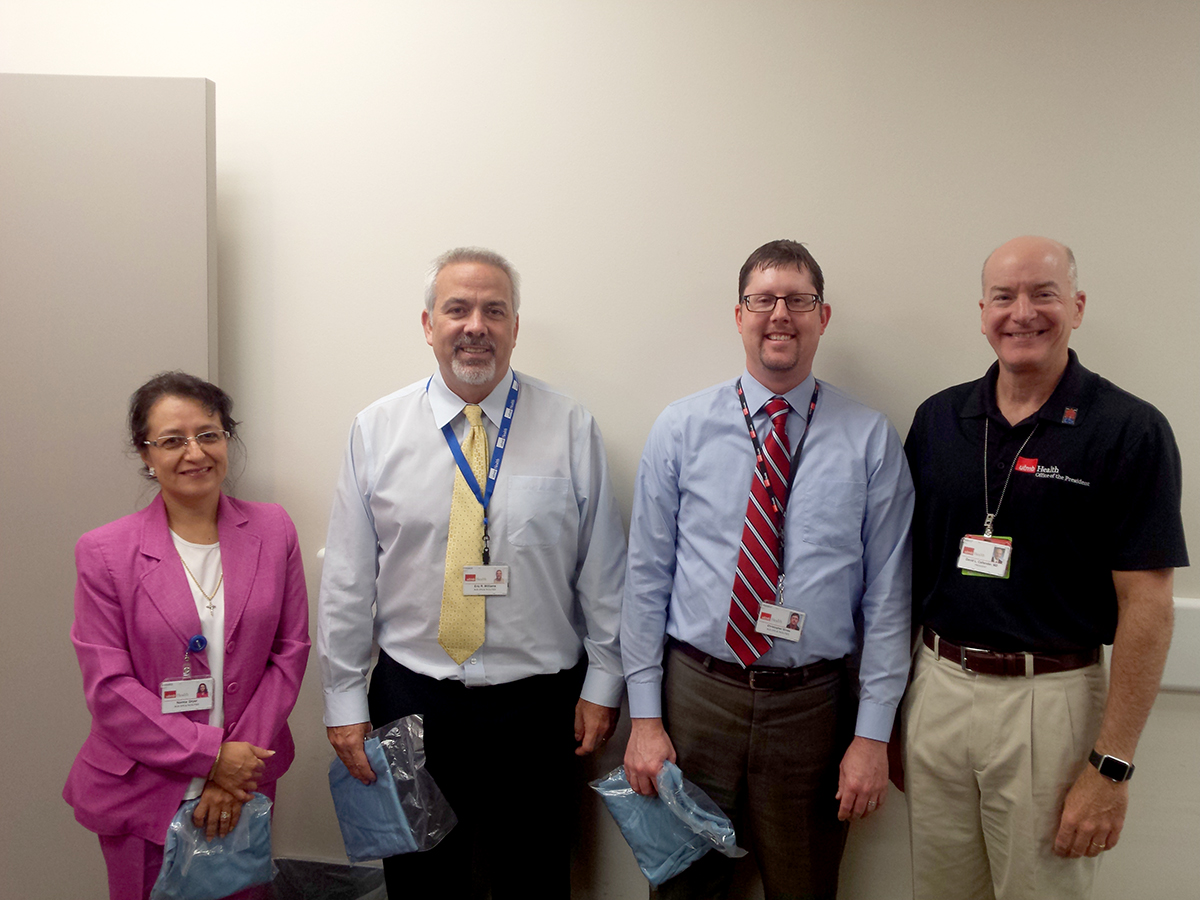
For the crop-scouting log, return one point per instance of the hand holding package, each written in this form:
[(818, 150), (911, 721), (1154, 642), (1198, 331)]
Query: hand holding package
[(669, 832), (402, 811), (196, 869)]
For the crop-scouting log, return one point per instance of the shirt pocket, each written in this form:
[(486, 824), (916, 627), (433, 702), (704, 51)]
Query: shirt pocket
[(831, 513), (537, 509)]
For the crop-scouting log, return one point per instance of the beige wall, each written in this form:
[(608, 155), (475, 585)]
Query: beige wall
[(106, 213), (627, 156)]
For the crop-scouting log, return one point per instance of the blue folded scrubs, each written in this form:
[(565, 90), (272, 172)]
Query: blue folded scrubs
[(373, 823), (669, 832), (196, 869)]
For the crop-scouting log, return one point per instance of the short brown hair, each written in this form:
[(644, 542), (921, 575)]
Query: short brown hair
[(779, 254)]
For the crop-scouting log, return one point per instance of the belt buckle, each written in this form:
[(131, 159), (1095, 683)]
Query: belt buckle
[(762, 681), (962, 657)]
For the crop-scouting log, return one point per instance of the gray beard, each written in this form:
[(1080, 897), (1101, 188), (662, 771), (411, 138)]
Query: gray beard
[(473, 374)]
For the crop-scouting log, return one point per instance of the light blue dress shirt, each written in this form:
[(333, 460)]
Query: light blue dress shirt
[(553, 520), (847, 554)]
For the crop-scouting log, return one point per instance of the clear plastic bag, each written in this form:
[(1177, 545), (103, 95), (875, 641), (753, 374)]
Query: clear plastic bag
[(403, 813), (196, 869), (669, 832)]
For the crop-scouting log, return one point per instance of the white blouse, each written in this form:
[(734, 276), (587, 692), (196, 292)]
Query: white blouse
[(203, 561)]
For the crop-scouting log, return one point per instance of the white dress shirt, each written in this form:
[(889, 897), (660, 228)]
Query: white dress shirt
[(553, 520)]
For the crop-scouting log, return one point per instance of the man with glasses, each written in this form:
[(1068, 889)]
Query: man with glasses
[(475, 538), (1048, 523), (764, 500)]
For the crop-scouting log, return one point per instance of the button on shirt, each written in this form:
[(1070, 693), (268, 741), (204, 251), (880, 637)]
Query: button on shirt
[(553, 520), (847, 552)]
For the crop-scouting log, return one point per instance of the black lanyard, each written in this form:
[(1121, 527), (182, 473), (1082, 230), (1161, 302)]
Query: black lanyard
[(989, 516), (760, 460)]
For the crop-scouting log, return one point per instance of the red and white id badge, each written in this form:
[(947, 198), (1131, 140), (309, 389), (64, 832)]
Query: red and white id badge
[(491, 581), (187, 694), (990, 557), (779, 622)]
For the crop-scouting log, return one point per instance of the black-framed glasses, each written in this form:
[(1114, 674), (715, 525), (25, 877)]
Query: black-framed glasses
[(765, 303), (174, 442)]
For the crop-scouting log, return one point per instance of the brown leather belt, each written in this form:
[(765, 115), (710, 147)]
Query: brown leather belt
[(993, 662), (759, 678)]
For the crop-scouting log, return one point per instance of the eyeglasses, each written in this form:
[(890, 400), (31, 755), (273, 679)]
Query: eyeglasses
[(175, 442), (765, 303)]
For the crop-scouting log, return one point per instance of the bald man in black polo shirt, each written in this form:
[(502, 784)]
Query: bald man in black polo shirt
[(1047, 524)]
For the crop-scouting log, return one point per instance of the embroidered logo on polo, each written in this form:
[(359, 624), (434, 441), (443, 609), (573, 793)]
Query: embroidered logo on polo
[(1031, 467)]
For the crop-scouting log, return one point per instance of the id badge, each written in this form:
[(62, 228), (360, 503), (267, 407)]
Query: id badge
[(187, 694), (490, 580), (989, 557), (779, 622)]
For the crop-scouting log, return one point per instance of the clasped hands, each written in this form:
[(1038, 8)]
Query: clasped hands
[(233, 778)]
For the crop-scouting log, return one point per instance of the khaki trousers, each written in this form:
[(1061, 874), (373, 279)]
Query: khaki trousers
[(988, 761)]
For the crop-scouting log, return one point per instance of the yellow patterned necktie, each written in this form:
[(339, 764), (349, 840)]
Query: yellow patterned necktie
[(461, 626)]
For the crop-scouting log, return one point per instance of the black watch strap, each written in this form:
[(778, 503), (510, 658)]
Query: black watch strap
[(1110, 767)]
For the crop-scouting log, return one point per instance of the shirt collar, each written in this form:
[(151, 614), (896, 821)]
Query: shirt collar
[(446, 404), (1066, 406), (757, 395)]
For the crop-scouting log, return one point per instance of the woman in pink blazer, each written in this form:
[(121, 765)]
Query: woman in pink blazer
[(195, 567)]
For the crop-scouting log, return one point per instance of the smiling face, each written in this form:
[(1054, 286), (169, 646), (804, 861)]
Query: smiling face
[(1030, 307), (472, 328), (192, 476), (780, 345)]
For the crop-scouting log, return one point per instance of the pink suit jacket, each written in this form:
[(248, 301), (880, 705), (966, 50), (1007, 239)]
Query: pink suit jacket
[(134, 616)]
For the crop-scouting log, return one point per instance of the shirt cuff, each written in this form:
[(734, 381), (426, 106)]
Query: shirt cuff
[(346, 708), (602, 688), (645, 700), (874, 721)]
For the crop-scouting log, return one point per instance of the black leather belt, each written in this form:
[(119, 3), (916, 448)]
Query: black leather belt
[(993, 662), (760, 678)]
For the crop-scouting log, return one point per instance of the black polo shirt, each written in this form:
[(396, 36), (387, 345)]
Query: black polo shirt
[(1097, 488)]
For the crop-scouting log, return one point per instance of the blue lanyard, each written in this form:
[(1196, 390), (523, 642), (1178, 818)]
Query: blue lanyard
[(484, 496)]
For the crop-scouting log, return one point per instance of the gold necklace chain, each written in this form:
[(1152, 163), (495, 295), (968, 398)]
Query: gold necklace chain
[(199, 587)]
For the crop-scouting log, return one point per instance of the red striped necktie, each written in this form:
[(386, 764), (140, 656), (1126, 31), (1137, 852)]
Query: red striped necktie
[(757, 578)]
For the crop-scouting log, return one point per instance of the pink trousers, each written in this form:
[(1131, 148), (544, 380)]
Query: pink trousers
[(134, 863)]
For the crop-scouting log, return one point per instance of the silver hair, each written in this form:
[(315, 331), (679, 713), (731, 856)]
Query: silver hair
[(1072, 269), (471, 255)]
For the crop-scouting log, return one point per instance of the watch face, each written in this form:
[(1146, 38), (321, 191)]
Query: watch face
[(1111, 767)]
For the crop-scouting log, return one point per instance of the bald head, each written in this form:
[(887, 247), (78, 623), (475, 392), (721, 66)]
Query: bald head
[(1029, 308), (1058, 256)]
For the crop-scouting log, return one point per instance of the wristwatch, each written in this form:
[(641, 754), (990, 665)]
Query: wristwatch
[(1110, 767)]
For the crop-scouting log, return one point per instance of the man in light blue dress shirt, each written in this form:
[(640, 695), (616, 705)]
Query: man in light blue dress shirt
[(792, 746), (546, 678)]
